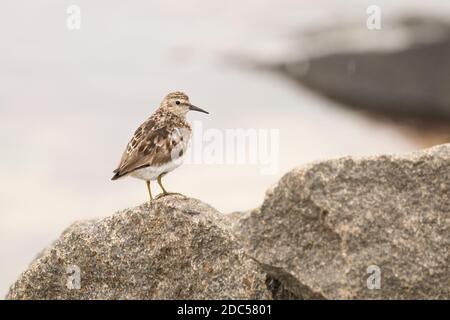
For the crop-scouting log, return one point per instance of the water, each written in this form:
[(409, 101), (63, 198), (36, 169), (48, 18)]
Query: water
[(69, 102)]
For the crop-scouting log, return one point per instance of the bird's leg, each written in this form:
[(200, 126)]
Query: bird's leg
[(149, 191), (164, 191), (160, 184)]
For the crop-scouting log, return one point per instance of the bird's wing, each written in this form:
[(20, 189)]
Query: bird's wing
[(151, 146)]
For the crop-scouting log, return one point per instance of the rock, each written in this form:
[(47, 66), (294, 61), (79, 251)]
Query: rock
[(349, 228), (323, 225), (174, 249), (401, 74)]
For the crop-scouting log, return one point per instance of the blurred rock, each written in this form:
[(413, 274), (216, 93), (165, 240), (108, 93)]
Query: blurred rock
[(174, 249), (401, 71), (326, 223)]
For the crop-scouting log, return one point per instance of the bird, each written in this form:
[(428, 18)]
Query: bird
[(159, 144)]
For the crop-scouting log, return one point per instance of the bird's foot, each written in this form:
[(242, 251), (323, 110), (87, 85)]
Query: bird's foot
[(162, 195)]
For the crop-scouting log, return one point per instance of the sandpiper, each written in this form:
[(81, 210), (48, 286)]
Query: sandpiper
[(159, 144)]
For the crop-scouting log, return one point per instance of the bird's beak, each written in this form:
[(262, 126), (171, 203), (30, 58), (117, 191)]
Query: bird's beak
[(194, 108)]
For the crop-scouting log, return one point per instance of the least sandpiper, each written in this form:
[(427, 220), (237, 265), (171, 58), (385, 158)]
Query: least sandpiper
[(159, 144)]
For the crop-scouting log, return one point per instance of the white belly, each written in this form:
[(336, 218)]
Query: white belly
[(151, 173)]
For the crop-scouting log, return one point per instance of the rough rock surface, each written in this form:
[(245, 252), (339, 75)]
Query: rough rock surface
[(326, 223), (174, 249), (314, 237)]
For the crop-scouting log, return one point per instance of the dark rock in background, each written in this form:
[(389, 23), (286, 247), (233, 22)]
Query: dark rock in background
[(404, 72)]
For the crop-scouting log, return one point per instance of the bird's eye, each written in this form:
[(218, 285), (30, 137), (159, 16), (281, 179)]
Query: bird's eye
[(177, 102)]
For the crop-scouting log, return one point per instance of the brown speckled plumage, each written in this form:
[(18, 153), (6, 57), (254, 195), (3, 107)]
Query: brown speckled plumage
[(161, 139)]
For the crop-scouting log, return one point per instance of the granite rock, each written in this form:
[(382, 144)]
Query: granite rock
[(336, 225), (175, 248)]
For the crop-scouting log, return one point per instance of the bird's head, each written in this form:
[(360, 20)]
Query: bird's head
[(178, 103)]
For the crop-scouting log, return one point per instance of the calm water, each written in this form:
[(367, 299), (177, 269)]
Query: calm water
[(69, 102)]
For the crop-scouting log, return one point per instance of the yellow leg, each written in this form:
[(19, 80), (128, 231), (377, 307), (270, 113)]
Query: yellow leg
[(149, 190), (160, 184), (164, 191)]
